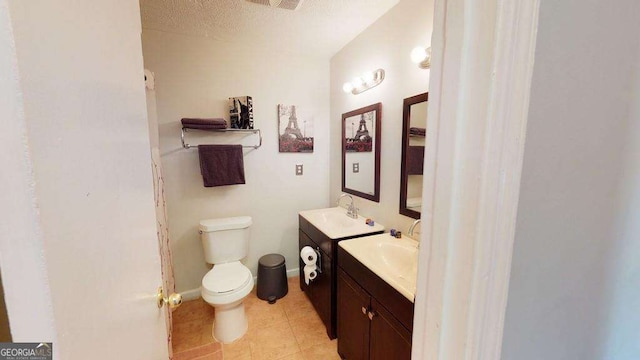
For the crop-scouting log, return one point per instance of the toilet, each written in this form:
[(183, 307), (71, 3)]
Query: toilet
[(226, 242)]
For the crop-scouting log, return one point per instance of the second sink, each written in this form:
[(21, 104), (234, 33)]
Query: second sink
[(394, 260)]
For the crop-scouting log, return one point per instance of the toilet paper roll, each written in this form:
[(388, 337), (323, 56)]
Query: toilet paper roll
[(308, 255), (310, 273)]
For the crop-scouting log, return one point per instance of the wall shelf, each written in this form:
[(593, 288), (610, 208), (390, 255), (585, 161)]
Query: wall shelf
[(248, 131)]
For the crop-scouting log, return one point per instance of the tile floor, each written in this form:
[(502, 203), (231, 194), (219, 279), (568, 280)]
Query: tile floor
[(290, 329)]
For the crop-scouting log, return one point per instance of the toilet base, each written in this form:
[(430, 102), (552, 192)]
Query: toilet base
[(230, 322)]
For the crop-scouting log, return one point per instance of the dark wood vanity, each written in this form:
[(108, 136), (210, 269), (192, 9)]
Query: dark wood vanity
[(374, 321), (322, 291)]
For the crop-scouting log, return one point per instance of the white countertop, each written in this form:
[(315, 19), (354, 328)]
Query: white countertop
[(335, 223), (394, 260)]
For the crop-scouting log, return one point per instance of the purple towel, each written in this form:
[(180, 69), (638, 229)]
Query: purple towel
[(417, 131), (221, 164), (415, 160), (204, 124)]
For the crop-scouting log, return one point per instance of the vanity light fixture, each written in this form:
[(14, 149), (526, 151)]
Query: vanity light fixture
[(364, 82), (421, 56)]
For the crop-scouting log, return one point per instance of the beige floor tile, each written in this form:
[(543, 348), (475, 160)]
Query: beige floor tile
[(206, 331), (296, 356), (239, 349), (297, 306), (215, 356), (186, 335), (273, 342), (187, 327), (294, 284), (309, 330), (276, 332), (325, 351), (199, 352), (261, 314), (189, 310)]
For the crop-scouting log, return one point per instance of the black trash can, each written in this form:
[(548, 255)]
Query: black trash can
[(272, 278)]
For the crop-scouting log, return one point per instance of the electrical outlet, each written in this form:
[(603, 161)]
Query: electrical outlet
[(298, 169), (356, 167)]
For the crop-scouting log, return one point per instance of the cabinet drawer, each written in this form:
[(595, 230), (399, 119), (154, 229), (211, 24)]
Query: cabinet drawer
[(320, 239)]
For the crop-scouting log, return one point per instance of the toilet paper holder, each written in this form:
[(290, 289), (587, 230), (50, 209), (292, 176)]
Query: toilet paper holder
[(319, 261)]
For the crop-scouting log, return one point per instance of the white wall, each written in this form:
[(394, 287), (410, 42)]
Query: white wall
[(574, 282), (623, 326), (81, 75), (194, 78), (385, 44)]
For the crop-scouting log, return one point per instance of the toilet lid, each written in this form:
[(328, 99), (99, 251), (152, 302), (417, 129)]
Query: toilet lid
[(225, 278)]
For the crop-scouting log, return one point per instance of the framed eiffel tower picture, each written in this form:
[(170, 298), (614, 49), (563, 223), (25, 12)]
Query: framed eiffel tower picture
[(358, 131), (295, 130)]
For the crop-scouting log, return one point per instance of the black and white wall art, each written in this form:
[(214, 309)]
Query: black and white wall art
[(295, 129), (241, 112)]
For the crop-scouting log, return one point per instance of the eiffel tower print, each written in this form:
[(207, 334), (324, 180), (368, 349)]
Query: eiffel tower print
[(296, 134), (292, 128)]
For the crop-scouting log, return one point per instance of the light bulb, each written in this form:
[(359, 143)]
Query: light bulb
[(418, 54), (357, 82), (368, 77), (347, 87)]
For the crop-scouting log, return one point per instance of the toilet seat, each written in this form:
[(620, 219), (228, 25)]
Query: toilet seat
[(226, 283)]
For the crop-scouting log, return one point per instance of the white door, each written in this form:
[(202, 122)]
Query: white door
[(86, 150)]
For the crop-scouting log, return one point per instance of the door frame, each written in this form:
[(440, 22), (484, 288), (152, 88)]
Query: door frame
[(482, 65)]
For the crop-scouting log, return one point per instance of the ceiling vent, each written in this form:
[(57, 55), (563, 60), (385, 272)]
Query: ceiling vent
[(282, 4)]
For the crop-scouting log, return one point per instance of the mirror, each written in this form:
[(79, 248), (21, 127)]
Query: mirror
[(361, 152), (414, 126)]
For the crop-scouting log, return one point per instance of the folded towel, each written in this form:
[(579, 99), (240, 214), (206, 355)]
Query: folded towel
[(221, 164), (414, 202), (415, 160), (417, 131), (204, 124)]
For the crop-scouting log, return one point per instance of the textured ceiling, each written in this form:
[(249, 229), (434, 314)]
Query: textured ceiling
[(319, 27)]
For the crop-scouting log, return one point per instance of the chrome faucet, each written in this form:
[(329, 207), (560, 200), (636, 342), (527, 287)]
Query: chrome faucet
[(352, 210), (412, 227)]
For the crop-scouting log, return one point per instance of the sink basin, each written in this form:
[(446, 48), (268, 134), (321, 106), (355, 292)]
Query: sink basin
[(394, 260), (335, 223)]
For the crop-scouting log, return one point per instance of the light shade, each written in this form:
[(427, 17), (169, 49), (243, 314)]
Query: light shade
[(421, 56), (347, 87), (368, 80)]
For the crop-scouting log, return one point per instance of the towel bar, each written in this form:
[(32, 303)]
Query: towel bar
[(253, 131)]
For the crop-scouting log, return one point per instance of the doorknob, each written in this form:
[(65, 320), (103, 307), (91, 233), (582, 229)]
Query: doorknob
[(174, 300), (364, 310), (371, 315)]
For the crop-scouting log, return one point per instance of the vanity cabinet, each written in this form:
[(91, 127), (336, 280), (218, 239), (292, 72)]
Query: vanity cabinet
[(374, 320), (322, 291)]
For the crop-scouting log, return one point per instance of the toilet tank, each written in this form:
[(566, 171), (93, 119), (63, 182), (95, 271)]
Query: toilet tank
[(225, 240)]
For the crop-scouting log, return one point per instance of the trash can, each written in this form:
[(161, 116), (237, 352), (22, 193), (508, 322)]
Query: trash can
[(272, 278)]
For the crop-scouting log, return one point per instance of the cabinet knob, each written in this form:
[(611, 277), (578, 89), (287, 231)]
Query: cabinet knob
[(364, 310), (371, 315)]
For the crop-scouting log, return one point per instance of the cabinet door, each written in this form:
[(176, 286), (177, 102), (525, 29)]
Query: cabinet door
[(353, 323), (318, 290), (389, 339)]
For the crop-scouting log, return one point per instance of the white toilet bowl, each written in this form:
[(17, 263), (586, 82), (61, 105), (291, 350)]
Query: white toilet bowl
[(224, 287)]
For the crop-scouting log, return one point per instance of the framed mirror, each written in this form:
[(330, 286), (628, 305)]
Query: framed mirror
[(414, 125), (361, 152)]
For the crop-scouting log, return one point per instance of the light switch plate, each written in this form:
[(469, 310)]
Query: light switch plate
[(356, 167), (299, 169)]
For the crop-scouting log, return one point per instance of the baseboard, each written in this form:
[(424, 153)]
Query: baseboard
[(293, 272), (290, 273), (194, 294)]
